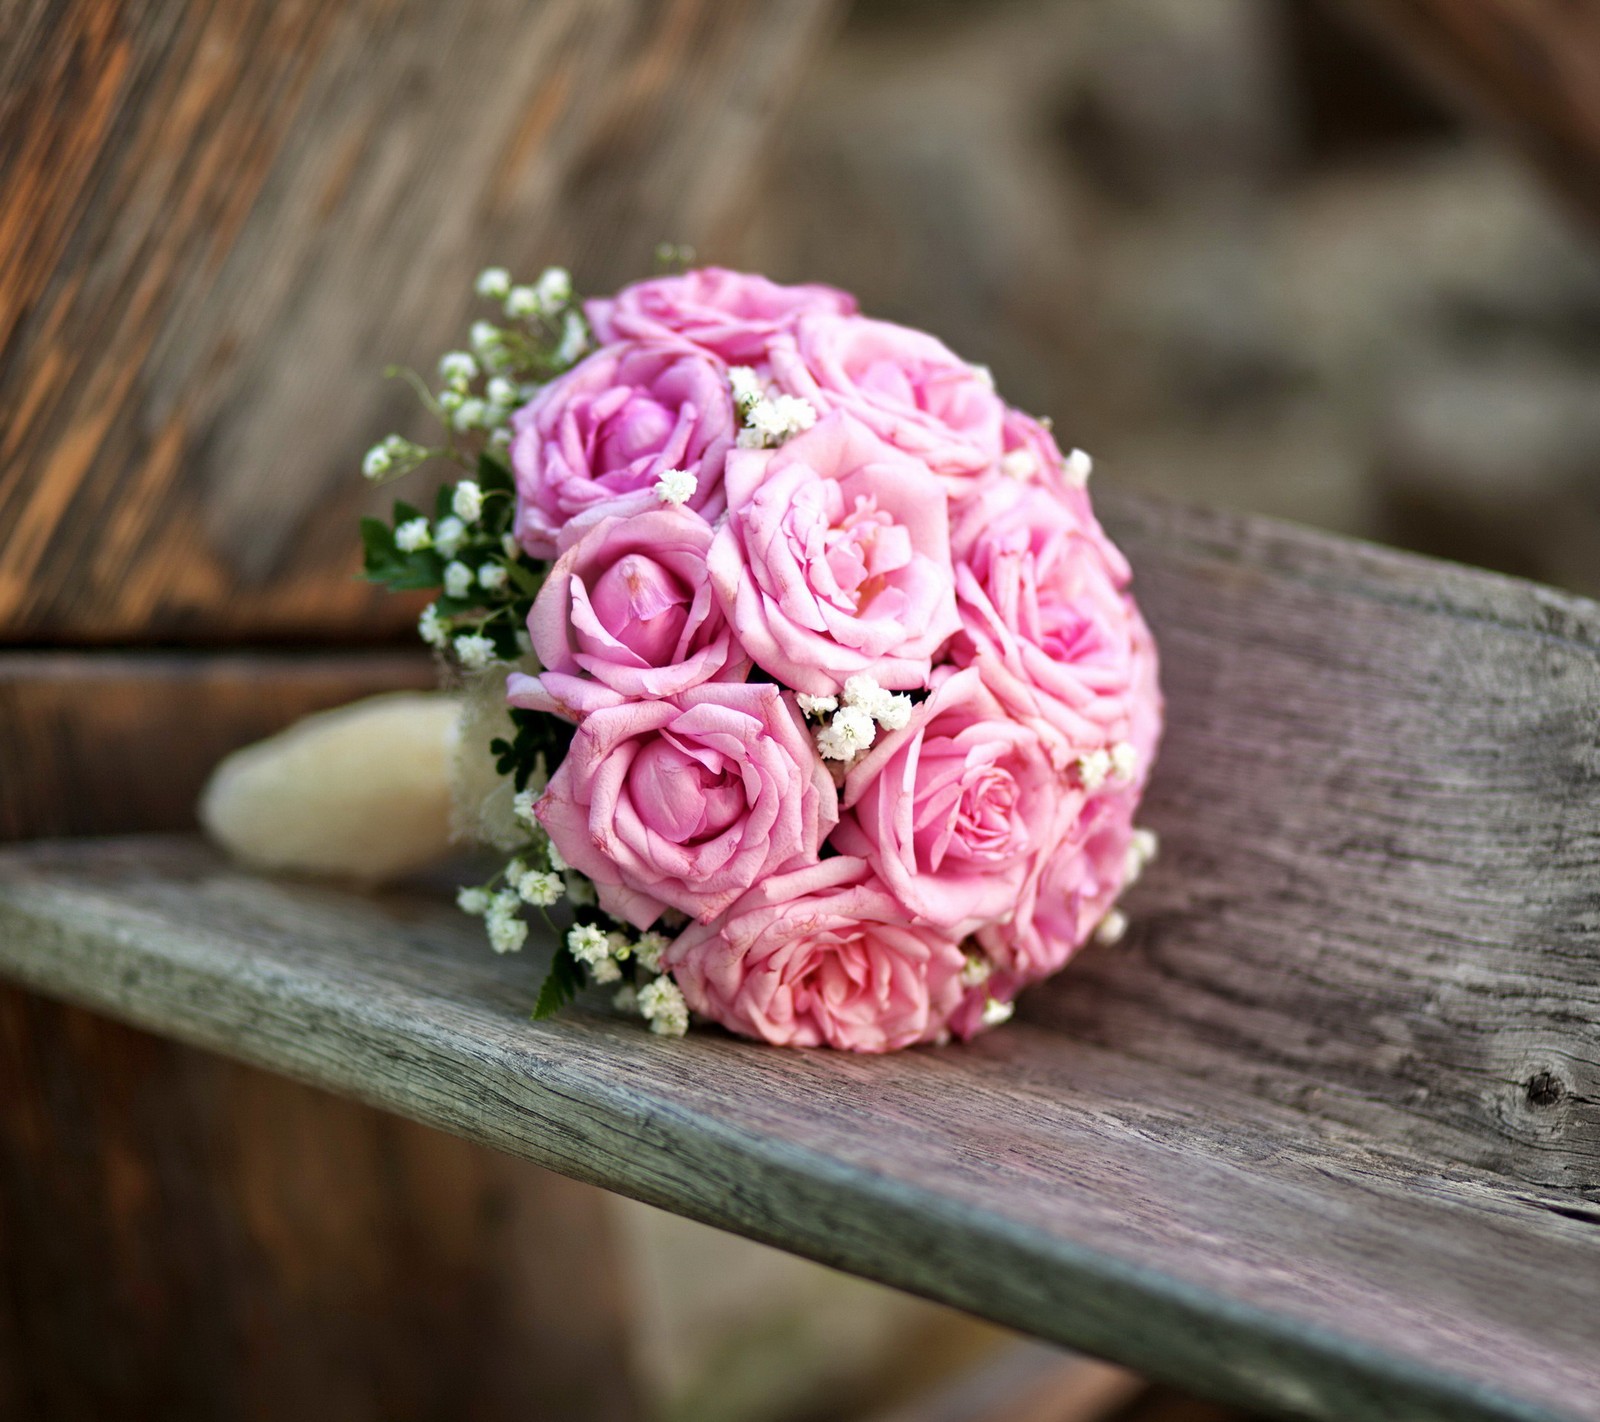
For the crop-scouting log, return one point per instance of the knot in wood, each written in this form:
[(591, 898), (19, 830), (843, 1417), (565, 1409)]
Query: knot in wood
[(1544, 1088)]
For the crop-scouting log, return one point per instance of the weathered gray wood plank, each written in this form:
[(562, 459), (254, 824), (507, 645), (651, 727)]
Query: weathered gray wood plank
[(1320, 1137)]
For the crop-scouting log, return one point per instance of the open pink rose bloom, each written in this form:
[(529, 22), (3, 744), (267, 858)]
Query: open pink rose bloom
[(863, 705)]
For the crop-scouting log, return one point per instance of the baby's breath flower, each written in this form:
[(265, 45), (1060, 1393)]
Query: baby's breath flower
[(485, 337), (554, 288), (457, 369), (448, 535), (580, 892), (849, 732), (1146, 844), (413, 535), (1093, 769), (507, 930), (977, 969), (676, 486), (432, 628), (377, 462), (473, 901), (626, 999), (574, 338), (996, 1012), (1079, 466), (522, 809), (501, 391), (500, 440), (451, 400), (457, 579), (492, 577), (984, 374), (1124, 761), (605, 971), (467, 501), (746, 386), (662, 1005), (775, 420), (509, 545), (816, 706), (648, 949), (474, 650), (540, 888), (493, 283), (1019, 464), (522, 302), (470, 415), (554, 857), (587, 943), (1111, 928), (894, 714)]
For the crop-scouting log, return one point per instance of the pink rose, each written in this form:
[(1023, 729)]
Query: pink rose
[(834, 559), (907, 387), (953, 811), (629, 603), (686, 802), (613, 425), (731, 314), (1030, 454), (1046, 614), (821, 957), (1070, 890)]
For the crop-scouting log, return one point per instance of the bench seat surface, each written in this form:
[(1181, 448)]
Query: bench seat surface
[(1322, 1135)]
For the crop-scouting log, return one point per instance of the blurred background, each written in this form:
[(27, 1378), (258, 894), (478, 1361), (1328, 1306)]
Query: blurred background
[(1326, 260)]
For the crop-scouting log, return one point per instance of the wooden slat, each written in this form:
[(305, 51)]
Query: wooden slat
[(222, 219), (1320, 1138), (1533, 69), (110, 742)]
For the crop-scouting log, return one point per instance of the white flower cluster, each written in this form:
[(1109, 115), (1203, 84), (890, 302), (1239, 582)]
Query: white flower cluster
[(661, 1004), (766, 420), (676, 486), (1117, 765), (392, 457), (852, 727)]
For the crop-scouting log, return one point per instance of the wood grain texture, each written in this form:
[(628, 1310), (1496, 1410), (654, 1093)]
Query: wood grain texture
[(184, 1238), (108, 742), (1321, 1138), (222, 220), (1534, 69)]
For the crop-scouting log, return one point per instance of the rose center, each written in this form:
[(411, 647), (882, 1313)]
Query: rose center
[(643, 606), (685, 792), (637, 429)]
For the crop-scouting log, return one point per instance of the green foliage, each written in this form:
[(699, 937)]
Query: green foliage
[(561, 985)]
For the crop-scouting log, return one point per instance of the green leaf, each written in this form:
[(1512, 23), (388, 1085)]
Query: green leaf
[(443, 502), (561, 985), (493, 476), (377, 546), (527, 582), (404, 512)]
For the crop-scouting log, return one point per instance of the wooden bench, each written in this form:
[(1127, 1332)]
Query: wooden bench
[(1322, 1136)]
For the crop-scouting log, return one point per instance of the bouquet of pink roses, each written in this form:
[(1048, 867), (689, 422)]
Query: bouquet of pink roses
[(829, 706)]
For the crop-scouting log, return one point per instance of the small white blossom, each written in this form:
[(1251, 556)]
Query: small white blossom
[(626, 1000), (746, 385), (522, 809), (976, 970), (457, 369), (457, 579), (1093, 769), (580, 892), (1111, 928), (451, 400), (574, 338), (649, 948), (492, 577), (984, 374), (816, 706), (775, 420), (471, 414), (895, 713), (553, 856), (850, 732), (474, 650), (1124, 761), (522, 302), (509, 545), (587, 943), (676, 486), (1142, 849), (493, 283), (467, 501), (1079, 467), (1019, 464), (662, 1005), (996, 1012), (507, 930), (448, 535), (539, 888), (748, 438), (432, 628), (500, 440), (501, 391), (377, 462), (473, 901), (413, 535), (554, 288), (863, 690), (605, 971), (485, 337)]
